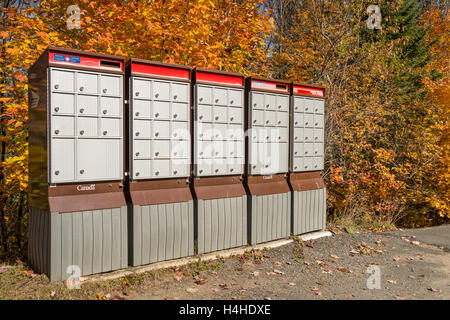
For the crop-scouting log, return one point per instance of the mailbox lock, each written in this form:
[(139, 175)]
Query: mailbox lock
[(105, 133), (175, 115), (267, 121), (231, 119), (317, 109), (201, 117), (279, 122), (295, 152), (200, 170), (306, 166), (267, 105), (137, 154), (279, 107), (81, 88), (175, 97), (82, 132), (217, 100), (56, 86), (295, 138), (201, 99), (104, 90), (157, 173), (105, 111), (296, 108), (175, 134), (296, 122), (56, 172), (201, 135), (295, 167), (56, 109), (137, 94), (254, 167), (81, 110), (231, 102), (306, 138), (317, 123), (157, 115), (56, 131), (137, 133), (254, 121), (174, 153), (156, 134), (254, 104), (137, 173), (306, 152), (156, 95), (316, 138), (315, 166), (266, 166), (315, 152), (217, 118), (156, 153), (217, 170), (175, 172), (137, 114), (306, 123), (306, 109), (82, 171)]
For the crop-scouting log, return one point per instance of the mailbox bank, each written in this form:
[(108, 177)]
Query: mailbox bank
[(267, 144), (161, 215), (307, 158), (78, 216), (218, 149)]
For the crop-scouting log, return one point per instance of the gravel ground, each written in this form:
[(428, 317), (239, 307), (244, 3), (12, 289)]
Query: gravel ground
[(327, 268)]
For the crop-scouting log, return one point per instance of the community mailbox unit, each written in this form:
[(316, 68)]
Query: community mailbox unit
[(307, 158), (161, 215), (267, 145), (221, 201), (78, 214)]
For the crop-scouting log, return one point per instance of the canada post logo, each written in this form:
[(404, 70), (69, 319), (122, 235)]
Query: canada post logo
[(86, 188), (64, 58)]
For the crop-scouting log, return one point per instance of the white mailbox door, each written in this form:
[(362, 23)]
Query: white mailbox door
[(62, 80), (62, 161), (99, 159)]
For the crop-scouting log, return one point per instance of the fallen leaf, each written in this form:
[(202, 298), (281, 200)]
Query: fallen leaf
[(327, 271), (396, 258), (315, 289), (399, 298), (318, 293), (320, 262), (277, 263), (292, 284), (288, 263), (267, 298), (268, 256), (392, 281), (178, 278), (353, 252), (192, 290), (417, 243), (200, 282), (278, 271), (255, 273), (422, 275), (434, 290), (215, 289), (223, 286), (256, 262), (334, 256), (342, 269), (242, 290), (52, 294)]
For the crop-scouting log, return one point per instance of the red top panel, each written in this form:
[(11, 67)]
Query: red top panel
[(270, 85), (308, 90), (160, 70), (71, 59), (219, 78)]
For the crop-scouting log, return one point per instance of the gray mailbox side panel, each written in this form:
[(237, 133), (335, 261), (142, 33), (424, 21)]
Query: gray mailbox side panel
[(93, 241), (222, 223), (161, 232), (270, 217), (310, 208)]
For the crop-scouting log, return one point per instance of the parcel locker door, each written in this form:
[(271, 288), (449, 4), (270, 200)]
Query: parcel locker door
[(62, 80), (220, 96), (111, 107), (204, 95), (253, 160), (235, 97), (62, 161), (62, 103), (87, 105), (180, 92), (142, 109), (282, 103), (180, 111), (257, 100), (161, 90), (142, 129), (141, 88), (87, 83), (99, 159), (161, 110), (62, 126), (111, 85)]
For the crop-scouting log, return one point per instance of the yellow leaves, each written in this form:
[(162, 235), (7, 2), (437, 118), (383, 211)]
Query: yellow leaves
[(4, 34)]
